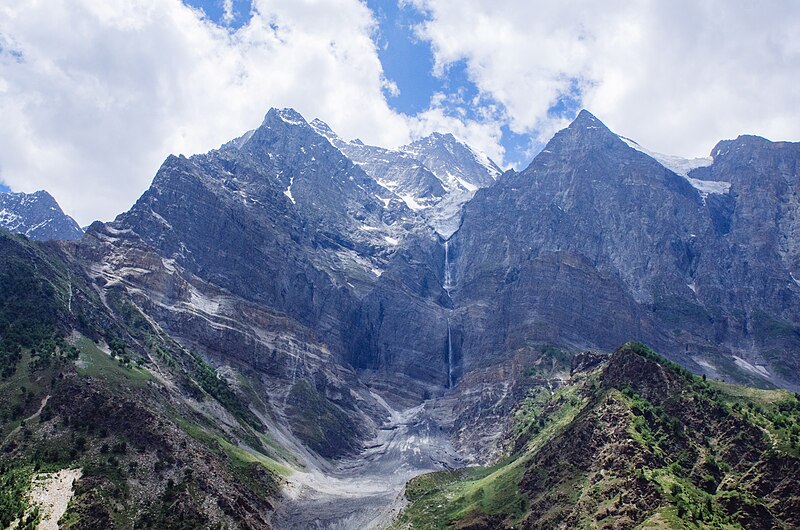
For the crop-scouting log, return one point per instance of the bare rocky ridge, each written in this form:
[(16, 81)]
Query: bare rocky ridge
[(596, 241), (37, 216), (435, 175)]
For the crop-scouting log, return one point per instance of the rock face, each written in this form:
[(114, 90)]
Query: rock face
[(435, 175), (596, 241), (455, 163), (37, 216)]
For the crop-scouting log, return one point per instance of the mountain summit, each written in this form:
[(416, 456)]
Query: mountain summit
[(37, 216)]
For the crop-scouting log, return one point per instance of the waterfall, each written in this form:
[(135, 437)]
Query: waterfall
[(449, 357), (448, 282)]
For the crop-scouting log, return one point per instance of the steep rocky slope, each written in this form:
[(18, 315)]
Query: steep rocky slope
[(89, 383), (37, 216), (635, 442), (596, 243)]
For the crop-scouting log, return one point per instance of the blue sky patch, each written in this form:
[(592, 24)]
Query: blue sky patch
[(215, 10), (408, 61)]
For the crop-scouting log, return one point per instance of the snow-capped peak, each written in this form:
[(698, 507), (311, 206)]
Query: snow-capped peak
[(676, 164), (682, 166), (323, 128), (291, 116)]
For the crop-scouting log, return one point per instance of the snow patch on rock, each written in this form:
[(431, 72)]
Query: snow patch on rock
[(679, 165), (288, 191)]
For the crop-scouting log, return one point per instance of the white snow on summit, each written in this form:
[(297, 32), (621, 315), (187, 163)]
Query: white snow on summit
[(676, 164), (682, 166)]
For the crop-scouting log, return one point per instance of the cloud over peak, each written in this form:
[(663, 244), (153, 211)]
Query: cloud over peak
[(94, 95)]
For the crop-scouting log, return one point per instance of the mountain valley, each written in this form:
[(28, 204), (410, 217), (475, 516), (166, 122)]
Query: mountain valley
[(299, 331)]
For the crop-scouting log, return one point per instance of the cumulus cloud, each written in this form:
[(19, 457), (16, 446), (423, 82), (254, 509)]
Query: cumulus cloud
[(676, 76), (94, 95), (227, 11)]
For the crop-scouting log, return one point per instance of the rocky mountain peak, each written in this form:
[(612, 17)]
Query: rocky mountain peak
[(585, 132), (586, 119), (443, 137), (456, 164), (323, 128), (36, 215), (742, 143), (286, 115)]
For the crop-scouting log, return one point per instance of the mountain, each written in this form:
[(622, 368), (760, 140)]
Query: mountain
[(626, 441), (37, 216), (280, 333), (597, 242), (435, 175), (93, 390), (453, 162)]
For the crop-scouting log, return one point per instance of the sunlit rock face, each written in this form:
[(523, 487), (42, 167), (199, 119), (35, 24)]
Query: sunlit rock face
[(597, 241), (426, 262)]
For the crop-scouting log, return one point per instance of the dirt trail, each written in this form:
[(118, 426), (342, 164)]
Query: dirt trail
[(366, 491), (29, 418)]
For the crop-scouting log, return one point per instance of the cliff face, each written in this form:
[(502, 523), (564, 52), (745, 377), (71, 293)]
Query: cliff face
[(596, 241)]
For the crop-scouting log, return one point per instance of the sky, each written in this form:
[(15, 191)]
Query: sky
[(94, 94)]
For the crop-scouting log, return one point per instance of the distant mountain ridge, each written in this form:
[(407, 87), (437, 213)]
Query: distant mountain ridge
[(435, 175), (37, 216)]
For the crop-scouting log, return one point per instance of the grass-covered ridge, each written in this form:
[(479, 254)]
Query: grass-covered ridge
[(638, 442), (89, 382)]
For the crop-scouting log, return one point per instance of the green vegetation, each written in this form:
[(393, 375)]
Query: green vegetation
[(439, 500), (775, 411), (15, 485), (320, 424), (69, 403), (94, 362), (219, 389), (238, 456), (639, 442), (550, 359), (31, 305)]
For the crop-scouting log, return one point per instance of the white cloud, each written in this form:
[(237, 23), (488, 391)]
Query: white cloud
[(447, 114), (94, 95), (227, 11), (677, 76)]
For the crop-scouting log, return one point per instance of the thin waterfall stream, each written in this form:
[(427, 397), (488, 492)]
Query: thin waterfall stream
[(448, 286), (449, 357)]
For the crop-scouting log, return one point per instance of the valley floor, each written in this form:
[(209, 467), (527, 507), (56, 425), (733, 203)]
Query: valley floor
[(366, 491)]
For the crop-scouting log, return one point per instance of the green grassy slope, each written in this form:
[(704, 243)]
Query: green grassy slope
[(638, 442)]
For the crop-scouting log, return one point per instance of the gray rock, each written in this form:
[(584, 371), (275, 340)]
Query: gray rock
[(37, 216)]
